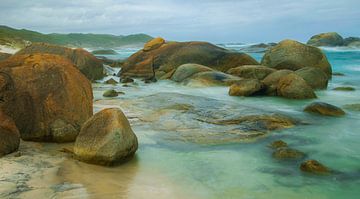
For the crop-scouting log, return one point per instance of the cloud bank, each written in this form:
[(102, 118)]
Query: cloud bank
[(210, 20)]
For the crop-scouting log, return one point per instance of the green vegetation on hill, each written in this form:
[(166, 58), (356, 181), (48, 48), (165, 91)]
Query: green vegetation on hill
[(18, 38)]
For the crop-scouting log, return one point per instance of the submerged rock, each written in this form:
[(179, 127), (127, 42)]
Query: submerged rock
[(322, 108), (246, 87), (271, 81), (106, 138), (294, 87), (201, 120), (39, 89), (111, 81), (293, 55), (326, 39), (251, 71), (288, 153), (87, 63), (344, 88), (9, 135), (352, 107), (126, 80), (171, 55), (111, 93), (314, 77), (315, 167), (338, 74), (278, 144)]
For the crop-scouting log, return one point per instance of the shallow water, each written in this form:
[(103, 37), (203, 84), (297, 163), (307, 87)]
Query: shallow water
[(247, 170), (165, 167)]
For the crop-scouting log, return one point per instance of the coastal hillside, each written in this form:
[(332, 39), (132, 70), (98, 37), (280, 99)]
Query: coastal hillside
[(18, 38)]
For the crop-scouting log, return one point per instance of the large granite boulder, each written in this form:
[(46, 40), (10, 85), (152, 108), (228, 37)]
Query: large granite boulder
[(271, 81), (41, 91), (326, 39), (106, 138), (210, 78), (87, 63), (246, 87), (322, 108), (9, 135), (293, 86), (251, 71), (314, 77), (170, 55), (293, 55)]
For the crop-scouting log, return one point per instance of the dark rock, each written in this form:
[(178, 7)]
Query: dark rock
[(278, 144), (322, 108), (111, 93), (126, 80), (344, 88), (315, 167), (111, 81), (186, 71), (288, 153)]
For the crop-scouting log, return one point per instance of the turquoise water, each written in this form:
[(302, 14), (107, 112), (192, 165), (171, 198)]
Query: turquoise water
[(247, 170)]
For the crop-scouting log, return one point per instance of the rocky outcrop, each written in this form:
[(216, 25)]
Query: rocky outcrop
[(315, 167), (326, 39), (322, 108), (251, 71), (9, 135), (89, 65), (293, 55), (39, 90), (287, 153), (352, 42), (171, 55), (314, 77), (4, 56), (246, 87), (294, 87), (278, 144), (106, 138)]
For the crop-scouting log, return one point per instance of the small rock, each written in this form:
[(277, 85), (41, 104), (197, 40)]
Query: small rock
[(18, 154), (63, 132), (150, 80), (278, 144), (326, 109), (338, 74), (288, 153), (111, 93), (111, 81), (313, 166), (126, 80), (344, 88)]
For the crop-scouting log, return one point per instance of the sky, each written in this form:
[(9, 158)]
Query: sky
[(184, 20)]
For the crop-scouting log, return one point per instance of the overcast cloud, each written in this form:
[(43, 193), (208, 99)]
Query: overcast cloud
[(210, 20)]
